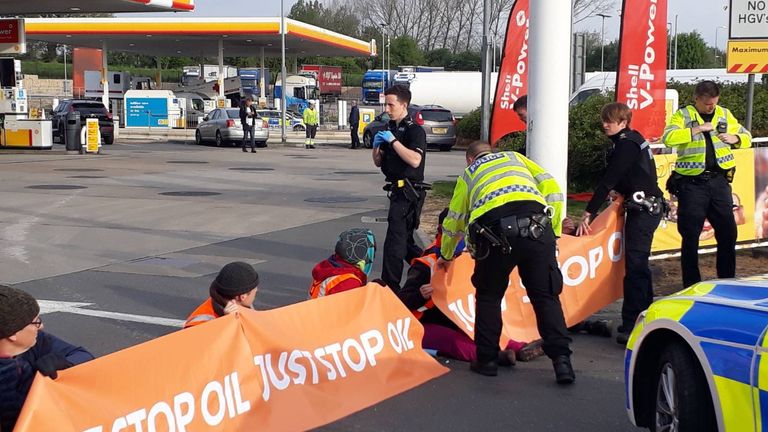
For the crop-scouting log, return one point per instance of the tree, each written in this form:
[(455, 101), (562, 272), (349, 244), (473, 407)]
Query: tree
[(404, 51), (439, 57), (692, 52), (583, 9)]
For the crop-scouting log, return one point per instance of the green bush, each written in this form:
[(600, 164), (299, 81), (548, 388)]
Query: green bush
[(469, 126)]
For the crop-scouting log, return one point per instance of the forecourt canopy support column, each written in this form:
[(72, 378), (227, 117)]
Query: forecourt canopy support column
[(221, 68), (550, 42), (104, 75)]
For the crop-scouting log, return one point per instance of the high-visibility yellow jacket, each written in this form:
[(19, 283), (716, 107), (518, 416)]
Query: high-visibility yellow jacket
[(492, 181), (310, 117), (692, 149)]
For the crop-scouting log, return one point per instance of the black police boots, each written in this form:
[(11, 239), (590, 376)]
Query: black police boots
[(490, 368), (563, 370)]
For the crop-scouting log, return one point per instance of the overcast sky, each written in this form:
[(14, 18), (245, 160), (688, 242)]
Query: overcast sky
[(703, 15)]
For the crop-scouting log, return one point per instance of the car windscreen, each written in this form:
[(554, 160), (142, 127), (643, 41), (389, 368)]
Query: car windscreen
[(89, 108), (436, 115), (233, 113)]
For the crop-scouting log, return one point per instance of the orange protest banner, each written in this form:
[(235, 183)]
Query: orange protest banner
[(322, 358), (593, 273)]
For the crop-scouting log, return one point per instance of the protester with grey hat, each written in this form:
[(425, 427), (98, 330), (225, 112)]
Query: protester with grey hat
[(235, 286), (26, 349)]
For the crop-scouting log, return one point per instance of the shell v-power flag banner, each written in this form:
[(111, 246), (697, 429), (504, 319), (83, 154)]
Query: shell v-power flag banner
[(513, 75), (642, 79)]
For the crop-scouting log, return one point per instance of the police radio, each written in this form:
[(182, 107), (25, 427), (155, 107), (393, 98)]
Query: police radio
[(722, 127)]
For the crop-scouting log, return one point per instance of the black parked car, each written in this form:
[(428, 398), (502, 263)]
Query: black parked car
[(86, 108), (438, 123)]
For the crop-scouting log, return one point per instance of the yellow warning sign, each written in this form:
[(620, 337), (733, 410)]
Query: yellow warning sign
[(92, 135), (747, 56)]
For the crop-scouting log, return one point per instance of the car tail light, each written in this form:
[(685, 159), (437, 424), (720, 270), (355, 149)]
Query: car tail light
[(230, 123), (419, 119)]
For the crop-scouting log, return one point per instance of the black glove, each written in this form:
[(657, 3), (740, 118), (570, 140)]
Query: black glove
[(49, 364)]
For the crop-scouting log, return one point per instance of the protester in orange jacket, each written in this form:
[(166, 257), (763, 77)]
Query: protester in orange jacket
[(348, 267), (235, 286)]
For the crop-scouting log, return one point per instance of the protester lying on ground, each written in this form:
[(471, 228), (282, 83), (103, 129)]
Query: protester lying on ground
[(440, 333), (349, 266), (26, 349), (235, 287)]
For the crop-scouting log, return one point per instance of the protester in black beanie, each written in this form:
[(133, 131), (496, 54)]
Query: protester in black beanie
[(235, 286), (24, 350)]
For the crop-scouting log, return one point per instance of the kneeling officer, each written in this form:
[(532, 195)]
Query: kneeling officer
[(512, 210)]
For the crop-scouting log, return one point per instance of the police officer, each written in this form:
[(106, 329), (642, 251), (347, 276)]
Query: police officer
[(632, 173), (400, 151), (512, 210), (703, 135)]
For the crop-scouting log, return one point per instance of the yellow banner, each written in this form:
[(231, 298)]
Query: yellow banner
[(667, 238)]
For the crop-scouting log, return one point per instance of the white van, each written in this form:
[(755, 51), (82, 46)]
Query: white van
[(606, 81)]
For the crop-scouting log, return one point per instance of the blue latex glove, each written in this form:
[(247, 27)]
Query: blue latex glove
[(387, 136), (378, 140)]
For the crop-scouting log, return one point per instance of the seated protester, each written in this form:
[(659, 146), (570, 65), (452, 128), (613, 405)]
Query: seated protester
[(26, 349), (235, 286), (440, 333), (348, 268)]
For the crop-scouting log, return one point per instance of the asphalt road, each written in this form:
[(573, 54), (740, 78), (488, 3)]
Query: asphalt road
[(143, 228)]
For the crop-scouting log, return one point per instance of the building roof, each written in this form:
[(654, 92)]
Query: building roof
[(19, 7), (196, 36)]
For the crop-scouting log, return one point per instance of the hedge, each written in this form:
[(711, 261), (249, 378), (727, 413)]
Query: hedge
[(588, 147)]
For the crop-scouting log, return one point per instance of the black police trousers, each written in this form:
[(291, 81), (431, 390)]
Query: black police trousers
[(639, 228), (399, 245), (543, 281), (700, 199)]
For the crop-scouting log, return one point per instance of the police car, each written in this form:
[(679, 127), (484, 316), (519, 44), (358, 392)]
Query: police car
[(698, 360)]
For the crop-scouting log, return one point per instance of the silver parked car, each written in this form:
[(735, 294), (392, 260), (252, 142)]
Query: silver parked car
[(438, 123), (222, 125)]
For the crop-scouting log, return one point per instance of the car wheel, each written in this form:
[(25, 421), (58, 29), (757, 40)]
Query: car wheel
[(367, 140), (298, 128), (682, 400), (198, 138), (109, 139), (219, 141)]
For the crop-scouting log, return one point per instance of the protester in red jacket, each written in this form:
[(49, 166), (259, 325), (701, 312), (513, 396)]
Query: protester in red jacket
[(348, 267)]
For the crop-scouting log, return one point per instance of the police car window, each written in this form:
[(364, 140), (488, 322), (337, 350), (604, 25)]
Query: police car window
[(215, 114), (233, 113)]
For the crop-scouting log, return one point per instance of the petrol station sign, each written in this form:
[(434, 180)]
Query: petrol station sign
[(747, 50), (12, 36)]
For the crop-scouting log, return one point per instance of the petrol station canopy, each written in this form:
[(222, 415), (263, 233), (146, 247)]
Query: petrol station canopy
[(196, 36), (21, 7)]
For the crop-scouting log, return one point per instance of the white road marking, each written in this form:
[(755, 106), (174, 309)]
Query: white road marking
[(50, 306)]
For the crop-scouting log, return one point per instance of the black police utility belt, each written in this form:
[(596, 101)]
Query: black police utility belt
[(410, 189), (532, 227)]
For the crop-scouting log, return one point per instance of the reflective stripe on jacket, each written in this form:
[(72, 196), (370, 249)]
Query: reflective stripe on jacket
[(692, 149), (326, 286), (429, 260), (203, 313), (492, 181)]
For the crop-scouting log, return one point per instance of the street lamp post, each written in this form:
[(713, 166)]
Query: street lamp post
[(669, 46), (384, 71), (675, 42), (717, 29), (602, 40), (283, 137)]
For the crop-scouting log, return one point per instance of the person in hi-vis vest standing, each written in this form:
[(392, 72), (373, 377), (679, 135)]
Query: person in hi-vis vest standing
[(703, 135), (311, 120)]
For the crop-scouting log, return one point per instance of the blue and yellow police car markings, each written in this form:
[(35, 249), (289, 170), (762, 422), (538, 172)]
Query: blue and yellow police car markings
[(726, 323)]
